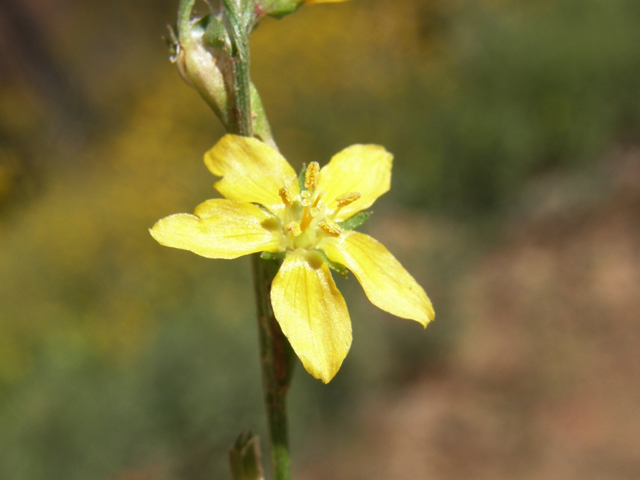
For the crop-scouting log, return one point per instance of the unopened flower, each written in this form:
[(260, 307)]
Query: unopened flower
[(280, 8), (266, 209)]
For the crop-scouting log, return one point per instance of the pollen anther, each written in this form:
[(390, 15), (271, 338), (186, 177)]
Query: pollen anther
[(348, 199), (293, 228), (286, 197), (311, 176), (330, 228)]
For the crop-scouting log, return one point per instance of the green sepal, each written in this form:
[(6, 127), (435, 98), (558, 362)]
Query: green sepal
[(278, 256), (356, 221), (336, 267), (302, 176), (215, 35)]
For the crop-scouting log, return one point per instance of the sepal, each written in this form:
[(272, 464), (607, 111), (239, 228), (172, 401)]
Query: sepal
[(356, 221)]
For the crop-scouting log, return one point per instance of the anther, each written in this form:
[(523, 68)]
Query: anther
[(311, 177), (293, 228), (314, 211), (348, 199), (286, 197), (330, 228)]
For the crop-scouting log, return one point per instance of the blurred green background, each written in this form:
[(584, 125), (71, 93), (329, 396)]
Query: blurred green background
[(515, 203)]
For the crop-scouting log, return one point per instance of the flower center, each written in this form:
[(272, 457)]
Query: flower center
[(306, 218)]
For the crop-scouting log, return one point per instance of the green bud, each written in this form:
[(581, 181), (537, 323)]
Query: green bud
[(197, 60), (244, 458), (279, 8)]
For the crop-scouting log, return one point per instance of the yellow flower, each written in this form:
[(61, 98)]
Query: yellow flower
[(266, 210)]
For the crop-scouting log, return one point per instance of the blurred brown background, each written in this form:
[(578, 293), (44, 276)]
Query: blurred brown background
[(515, 203)]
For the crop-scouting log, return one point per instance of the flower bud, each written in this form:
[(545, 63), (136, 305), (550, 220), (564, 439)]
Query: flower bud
[(197, 54), (281, 8), (244, 458)]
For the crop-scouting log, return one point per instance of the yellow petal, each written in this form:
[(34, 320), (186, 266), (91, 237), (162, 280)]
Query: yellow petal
[(221, 229), (252, 171), (365, 169), (386, 283), (312, 313)]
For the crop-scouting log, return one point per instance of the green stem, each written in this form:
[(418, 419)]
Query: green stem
[(276, 355), (241, 121), (247, 118), (184, 15)]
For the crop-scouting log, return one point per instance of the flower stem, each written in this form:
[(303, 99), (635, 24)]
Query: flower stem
[(241, 120), (276, 355)]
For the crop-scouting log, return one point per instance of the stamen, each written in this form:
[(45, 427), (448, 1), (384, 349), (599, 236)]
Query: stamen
[(286, 197), (348, 199), (293, 228), (314, 211), (311, 177), (330, 228)]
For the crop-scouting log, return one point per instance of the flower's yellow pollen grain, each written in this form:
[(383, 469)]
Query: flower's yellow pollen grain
[(330, 228), (311, 177), (305, 194), (294, 229), (286, 197), (314, 211), (348, 199)]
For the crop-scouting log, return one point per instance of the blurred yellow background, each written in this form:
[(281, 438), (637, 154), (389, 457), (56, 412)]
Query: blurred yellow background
[(515, 202)]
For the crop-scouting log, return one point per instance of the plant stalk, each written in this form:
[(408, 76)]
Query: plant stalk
[(276, 355), (276, 358)]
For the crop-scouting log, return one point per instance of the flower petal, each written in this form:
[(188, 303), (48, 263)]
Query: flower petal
[(385, 282), (252, 171), (221, 229), (365, 169), (312, 313)]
